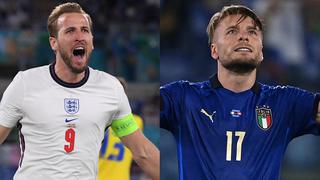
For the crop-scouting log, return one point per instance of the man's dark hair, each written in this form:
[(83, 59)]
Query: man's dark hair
[(61, 9), (231, 10)]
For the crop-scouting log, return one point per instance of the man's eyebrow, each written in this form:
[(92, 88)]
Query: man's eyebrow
[(232, 27), (253, 28), (70, 28), (85, 27), (248, 28)]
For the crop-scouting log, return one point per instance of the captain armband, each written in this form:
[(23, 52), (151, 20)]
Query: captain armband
[(124, 126)]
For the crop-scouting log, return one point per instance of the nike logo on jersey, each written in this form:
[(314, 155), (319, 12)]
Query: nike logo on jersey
[(209, 115), (69, 120)]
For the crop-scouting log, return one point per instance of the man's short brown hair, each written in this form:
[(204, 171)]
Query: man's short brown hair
[(61, 9), (231, 10)]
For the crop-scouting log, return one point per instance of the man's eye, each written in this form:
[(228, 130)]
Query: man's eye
[(231, 31), (253, 32), (69, 31)]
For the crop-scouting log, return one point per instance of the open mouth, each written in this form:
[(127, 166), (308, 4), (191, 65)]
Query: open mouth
[(79, 51), (243, 49)]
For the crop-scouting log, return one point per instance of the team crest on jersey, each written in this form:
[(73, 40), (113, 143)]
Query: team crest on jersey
[(71, 105), (264, 117)]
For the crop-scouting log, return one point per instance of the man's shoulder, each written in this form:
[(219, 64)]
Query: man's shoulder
[(184, 84), (36, 71), (281, 89), (98, 75), (183, 89)]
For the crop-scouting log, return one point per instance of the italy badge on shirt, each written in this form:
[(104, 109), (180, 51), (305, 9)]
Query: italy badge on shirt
[(264, 118)]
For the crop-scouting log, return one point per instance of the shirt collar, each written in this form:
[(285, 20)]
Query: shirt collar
[(66, 84), (215, 83)]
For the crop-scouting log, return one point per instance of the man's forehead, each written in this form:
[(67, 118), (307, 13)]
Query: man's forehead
[(66, 18), (237, 19)]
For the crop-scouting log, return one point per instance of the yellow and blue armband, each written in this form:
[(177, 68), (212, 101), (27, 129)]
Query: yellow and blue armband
[(124, 126)]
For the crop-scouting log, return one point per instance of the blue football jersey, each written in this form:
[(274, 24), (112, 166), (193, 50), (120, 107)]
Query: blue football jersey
[(223, 135)]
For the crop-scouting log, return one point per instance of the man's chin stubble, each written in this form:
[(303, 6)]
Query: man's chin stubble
[(241, 67)]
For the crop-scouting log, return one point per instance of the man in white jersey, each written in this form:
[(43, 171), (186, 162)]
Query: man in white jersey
[(62, 109)]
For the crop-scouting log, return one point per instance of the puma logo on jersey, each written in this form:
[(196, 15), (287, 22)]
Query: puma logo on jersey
[(211, 116)]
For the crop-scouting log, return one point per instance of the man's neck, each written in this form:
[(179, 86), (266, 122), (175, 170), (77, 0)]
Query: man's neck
[(235, 82), (65, 74)]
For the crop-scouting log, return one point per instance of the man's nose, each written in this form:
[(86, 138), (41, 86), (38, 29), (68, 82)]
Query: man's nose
[(243, 37), (79, 35)]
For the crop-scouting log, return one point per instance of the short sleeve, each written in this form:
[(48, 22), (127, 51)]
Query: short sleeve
[(122, 121), (123, 102), (303, 113), (170, 106), (11, 102), (165, 108)]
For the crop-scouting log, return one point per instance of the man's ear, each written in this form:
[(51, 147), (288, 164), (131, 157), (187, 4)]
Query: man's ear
[(261, 55), (92, 43), (53, 43), (214, 51)]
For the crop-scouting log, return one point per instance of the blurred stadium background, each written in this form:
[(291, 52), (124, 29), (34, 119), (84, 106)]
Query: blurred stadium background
[(126, 39), (291, 57)]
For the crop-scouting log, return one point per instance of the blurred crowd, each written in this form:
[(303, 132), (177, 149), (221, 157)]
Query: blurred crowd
[(291, 57), (126, 36)]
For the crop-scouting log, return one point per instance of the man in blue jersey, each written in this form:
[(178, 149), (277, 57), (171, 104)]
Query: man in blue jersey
[(231, 127)]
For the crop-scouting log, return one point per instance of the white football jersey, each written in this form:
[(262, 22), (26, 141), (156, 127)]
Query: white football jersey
[(61, 125)]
